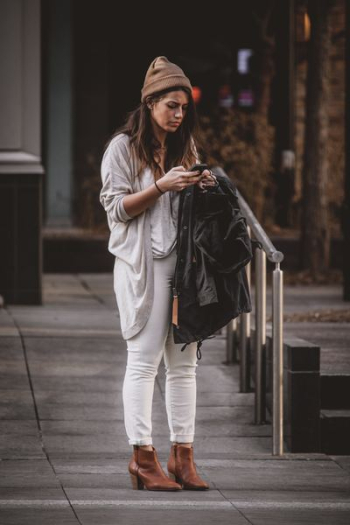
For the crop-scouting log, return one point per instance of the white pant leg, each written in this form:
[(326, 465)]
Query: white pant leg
[(180, 389), (145, 351)]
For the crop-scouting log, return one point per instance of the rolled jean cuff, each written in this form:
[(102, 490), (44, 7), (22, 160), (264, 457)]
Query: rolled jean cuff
[(182, 438), (142, 441)]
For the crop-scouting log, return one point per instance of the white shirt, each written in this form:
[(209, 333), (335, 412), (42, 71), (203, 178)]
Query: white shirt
[(164, 217)]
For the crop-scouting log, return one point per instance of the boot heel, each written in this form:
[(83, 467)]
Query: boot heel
[(136, 482)]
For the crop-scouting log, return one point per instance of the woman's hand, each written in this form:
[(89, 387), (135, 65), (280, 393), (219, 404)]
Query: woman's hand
[(208, 179), (177, 179)]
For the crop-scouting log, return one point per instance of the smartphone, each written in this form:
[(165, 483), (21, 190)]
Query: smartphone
[(200, 167)]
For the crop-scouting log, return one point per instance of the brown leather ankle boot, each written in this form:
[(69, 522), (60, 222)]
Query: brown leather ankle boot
[(146, 471), (182, 468)]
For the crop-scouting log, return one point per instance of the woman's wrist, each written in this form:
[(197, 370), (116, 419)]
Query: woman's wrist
[(159, 187)]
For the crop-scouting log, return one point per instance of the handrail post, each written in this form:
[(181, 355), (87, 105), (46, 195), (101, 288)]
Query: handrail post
[(260, 335), (277, 353), (244, 342), (231, 341)]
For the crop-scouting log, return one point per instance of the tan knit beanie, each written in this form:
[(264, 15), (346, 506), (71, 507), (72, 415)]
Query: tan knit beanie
[(163, 74)]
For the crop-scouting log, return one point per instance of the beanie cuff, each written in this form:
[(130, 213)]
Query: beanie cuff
[(164, 83)]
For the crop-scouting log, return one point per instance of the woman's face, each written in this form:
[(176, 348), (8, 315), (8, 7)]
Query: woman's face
[(169, 111)]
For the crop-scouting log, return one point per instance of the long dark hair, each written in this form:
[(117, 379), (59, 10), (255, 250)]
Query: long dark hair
[(180, 145)]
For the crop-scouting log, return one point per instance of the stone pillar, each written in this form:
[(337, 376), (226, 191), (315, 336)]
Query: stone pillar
[(21, 167)]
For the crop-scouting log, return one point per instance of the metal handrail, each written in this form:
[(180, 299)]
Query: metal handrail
[(275, 256)]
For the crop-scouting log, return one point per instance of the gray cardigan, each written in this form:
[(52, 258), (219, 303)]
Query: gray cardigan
[(130, 238)]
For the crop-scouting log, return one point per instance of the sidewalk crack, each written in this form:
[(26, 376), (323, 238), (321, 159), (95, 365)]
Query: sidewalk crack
[(40, 431)]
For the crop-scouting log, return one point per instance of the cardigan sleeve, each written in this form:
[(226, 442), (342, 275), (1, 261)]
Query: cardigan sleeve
[(116, 181)]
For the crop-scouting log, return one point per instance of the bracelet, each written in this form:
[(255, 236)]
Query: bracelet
[(158, 188)]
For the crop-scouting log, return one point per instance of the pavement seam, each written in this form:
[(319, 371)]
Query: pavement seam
[(85, 285), (192, 505), (38, 419), (333, 458), (233, 505)]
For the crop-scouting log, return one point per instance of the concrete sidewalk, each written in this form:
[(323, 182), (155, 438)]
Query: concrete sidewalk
[(64, 450)]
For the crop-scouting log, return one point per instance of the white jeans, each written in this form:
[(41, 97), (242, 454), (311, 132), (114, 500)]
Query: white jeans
[(145, 351)]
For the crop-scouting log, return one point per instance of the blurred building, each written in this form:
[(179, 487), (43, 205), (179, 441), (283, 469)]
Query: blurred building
[(71, 70)]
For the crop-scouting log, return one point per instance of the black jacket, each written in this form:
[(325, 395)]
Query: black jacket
[(210, 285)]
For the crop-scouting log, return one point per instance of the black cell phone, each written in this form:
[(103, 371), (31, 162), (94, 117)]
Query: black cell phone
[(200, 167)]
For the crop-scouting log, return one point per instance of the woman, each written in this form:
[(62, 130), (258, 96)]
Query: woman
[(144, 168)]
